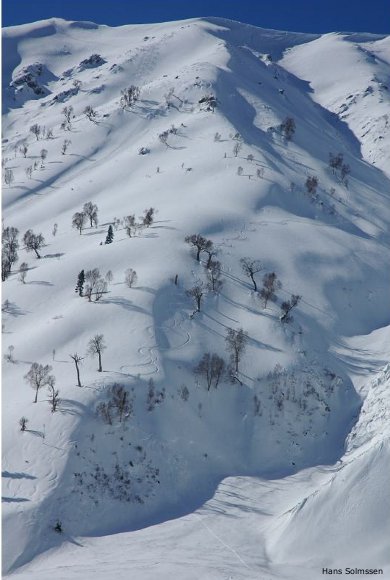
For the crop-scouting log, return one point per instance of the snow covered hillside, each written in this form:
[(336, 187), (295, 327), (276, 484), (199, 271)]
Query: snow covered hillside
[(238, 425)]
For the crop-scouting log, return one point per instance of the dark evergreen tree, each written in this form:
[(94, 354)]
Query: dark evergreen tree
[(110, 235), (80, 283)]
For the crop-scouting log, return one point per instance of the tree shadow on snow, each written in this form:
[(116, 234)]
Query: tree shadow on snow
[(17, 475)]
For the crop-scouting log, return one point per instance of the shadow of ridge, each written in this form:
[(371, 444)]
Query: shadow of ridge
[(14, 499), (203, 480)]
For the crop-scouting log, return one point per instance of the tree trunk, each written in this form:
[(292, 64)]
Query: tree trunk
[(198, 254), (254, 282), (78, 374), (100, 361), (36, 394), (36, 251)]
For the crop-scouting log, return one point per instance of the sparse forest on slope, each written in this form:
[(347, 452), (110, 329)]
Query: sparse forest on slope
[(195, 296)]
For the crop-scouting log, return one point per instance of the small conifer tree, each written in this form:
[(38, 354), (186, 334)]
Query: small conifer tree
[(110, 235), (80, 283)]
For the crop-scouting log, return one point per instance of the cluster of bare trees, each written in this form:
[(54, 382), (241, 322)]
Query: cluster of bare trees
[(250, 267), (38, 377), (9, 252), (339, 168), (119, 405), (33, 242), (129, 97), (287, 128), (68, 113), (130, 224), (212, 368), (88, 213)]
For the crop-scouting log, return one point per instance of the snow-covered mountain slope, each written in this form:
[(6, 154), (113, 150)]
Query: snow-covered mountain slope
[(196, 482)]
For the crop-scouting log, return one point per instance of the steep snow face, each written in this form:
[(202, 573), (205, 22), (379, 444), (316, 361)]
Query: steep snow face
[(202, 143), (349, 75)]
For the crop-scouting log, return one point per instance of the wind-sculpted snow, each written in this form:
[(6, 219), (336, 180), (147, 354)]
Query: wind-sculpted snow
[(150, 468)]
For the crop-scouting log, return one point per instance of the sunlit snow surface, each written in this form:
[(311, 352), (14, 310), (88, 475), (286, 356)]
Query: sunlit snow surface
[(220, 487)]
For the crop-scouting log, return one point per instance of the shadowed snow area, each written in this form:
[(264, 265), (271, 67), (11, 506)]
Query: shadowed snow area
[(276, 470)]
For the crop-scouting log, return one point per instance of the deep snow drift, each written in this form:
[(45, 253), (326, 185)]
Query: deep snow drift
[(279, 470)]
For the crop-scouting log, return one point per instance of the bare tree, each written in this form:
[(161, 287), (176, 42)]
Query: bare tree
[(311, 184), (287, 128), (270, 285), (54, 395), (211, 252), (344, 172), (237, 148), (33, 242), (95, 347), (91, 277), (10, 246), (23, 423), (24, 150), (96, 285), (130, 225), (8, 176), (78, 220), (130, 277), (129, 96), (335, 161), (260, 173), (65, 146), (77, 360), (68, 113), (239, 170), (211, 367), (35, 130), (104, 410), (164, 138), (200, 243), (251, 267), (23, 269), (28, 171), (10, 355), (54, 230), (121, 401), (197, 292), (287, 306), (43, 155), (109, 276), (90, 113), (38, 376), (236, 341), (91, 211), (100, 288), (214, 276), (217, 137), (148, 218)]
